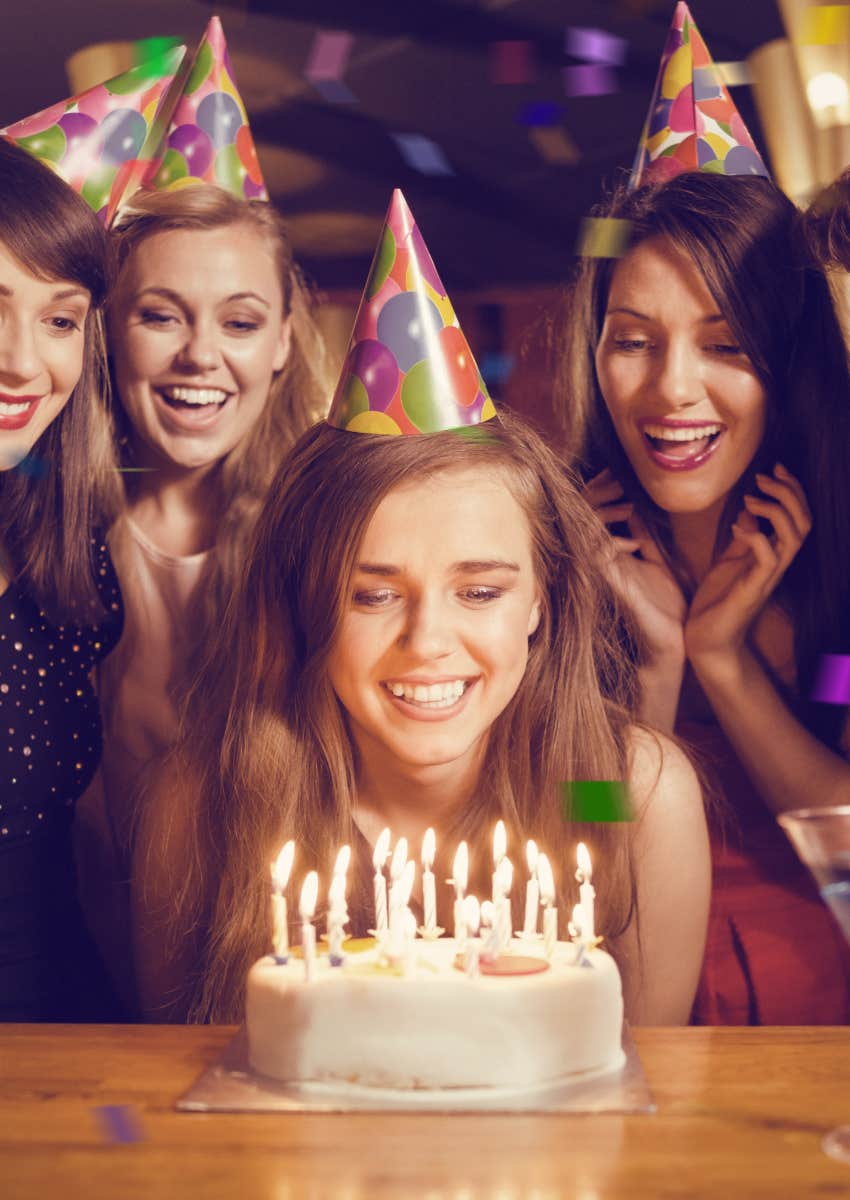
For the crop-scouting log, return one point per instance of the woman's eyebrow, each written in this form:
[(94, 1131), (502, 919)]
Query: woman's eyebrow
[(470, 566)]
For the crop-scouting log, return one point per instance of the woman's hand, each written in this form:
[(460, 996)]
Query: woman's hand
[(645, 583), (740, 583)]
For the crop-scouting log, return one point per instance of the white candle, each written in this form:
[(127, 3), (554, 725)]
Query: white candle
[(504, 918), (379, 857), (460, 877), (343, 858), (532, 891), (281, 869), (397, 867), (429, 892), (586, 891), (490, 951), (471, 919), (500, 845), (337, 918), (577, 930), (306, 909), (550, 912)]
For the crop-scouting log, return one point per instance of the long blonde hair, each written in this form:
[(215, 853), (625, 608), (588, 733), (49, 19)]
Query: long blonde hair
[(265, 744), (298, 395)]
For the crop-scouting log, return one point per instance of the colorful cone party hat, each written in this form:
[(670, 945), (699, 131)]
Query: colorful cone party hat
[(100, 141), (209, 140), (409, 369), (692, 124)]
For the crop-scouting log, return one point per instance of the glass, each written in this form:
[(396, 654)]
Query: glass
[(821, 837)]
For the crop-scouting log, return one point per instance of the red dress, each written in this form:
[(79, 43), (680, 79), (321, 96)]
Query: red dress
[(774, 955)]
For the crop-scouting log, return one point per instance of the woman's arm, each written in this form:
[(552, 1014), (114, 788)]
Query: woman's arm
[(165, 963), (661, 953)]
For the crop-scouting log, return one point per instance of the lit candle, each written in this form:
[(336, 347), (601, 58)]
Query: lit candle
[(471, 919), (306, 909), (399, 912), (460, 877), (429, 891), (576, 930), (500, 845), (281, 869), (343, 858), (550, 912), (397, 866), (379, 857), (586, 891), (532, 892), (504, 918), (337, 919), (490, 951)]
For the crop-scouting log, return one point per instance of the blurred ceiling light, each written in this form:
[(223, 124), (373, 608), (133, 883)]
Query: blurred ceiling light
[(827, 90)]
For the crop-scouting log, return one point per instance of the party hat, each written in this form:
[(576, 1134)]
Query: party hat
[(409, 369), (208, 139), (100, 141), (692, 124)]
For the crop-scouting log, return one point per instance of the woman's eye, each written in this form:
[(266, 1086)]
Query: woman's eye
[(630, 343), (481, 595), (242, 326), (150, 316), (725, 348), (63, 325), (376, 598)]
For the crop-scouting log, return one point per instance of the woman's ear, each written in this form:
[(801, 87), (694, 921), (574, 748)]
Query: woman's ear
[(282, 348), (534, 616)]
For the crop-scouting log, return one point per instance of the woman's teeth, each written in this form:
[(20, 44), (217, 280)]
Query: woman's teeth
[(435, 695), (14, 410), (194, 396), (690, 433)]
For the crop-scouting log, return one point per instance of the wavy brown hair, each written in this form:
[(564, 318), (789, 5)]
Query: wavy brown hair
[(746, 238), (67, 491), (265, 742), (298, 396)]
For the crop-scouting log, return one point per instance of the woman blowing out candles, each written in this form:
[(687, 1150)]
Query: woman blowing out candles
[(707, 375), (422, 638), (60, 610)]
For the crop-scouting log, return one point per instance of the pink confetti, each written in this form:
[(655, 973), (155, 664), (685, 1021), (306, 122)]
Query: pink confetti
[(595, 45), (589, 79), (510, 62), (329, 56), (832, 682)]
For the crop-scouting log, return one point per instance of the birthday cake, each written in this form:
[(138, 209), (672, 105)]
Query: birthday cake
[(522, 1021)]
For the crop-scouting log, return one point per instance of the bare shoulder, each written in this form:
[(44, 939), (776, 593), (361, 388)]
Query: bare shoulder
[(662, 780)]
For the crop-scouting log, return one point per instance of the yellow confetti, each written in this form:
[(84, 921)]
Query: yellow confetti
[(554, 144), (603, 237), (826, 25)]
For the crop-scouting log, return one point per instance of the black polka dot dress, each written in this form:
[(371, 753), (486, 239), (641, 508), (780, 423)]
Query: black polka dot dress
[(50, 746)]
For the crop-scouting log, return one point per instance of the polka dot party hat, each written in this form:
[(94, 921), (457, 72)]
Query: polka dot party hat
[(692, 124), (209, 140), (100, 141), (409, 369)]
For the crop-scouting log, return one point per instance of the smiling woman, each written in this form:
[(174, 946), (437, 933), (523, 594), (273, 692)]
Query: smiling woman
[(423, 636), (60, 610), (706, 376)]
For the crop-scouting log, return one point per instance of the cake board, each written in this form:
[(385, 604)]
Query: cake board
[(229, 1085)]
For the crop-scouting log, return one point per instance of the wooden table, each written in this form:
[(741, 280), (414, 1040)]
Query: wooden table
[(741, 1113)]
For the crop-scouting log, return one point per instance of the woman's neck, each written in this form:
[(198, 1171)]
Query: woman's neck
[(694, 537), (409, 799), (175, 506)]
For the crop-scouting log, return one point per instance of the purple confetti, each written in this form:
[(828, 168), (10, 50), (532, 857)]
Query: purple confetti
[(118, 1123), (422, 154), (542, 113), (496, 368), (832, 682), (334, 91), (510, 62), (589, 80), (595, 45), (329, 56)]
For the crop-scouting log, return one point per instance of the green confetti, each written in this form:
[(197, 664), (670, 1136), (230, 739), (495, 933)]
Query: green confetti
[(595, 800)]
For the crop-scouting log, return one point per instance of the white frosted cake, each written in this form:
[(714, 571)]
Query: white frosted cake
[(434, 1027)]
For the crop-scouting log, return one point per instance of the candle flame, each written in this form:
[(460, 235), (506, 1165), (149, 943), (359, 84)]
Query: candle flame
[(547, 880), (488, 912), (282, 866), (505, 876), (343, 858), (460, 868), (309, 895), (429, 849), (382, 849), (472, 914), (585, 871), (399, 859), (531, 855), (500, 842)]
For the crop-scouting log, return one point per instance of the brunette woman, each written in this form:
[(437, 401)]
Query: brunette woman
[(423, 636), (707, 375), (60, 609)]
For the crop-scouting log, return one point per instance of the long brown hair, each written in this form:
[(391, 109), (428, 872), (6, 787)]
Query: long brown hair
[(51, 508), (298, 395), (265, 742), (745, 237)]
